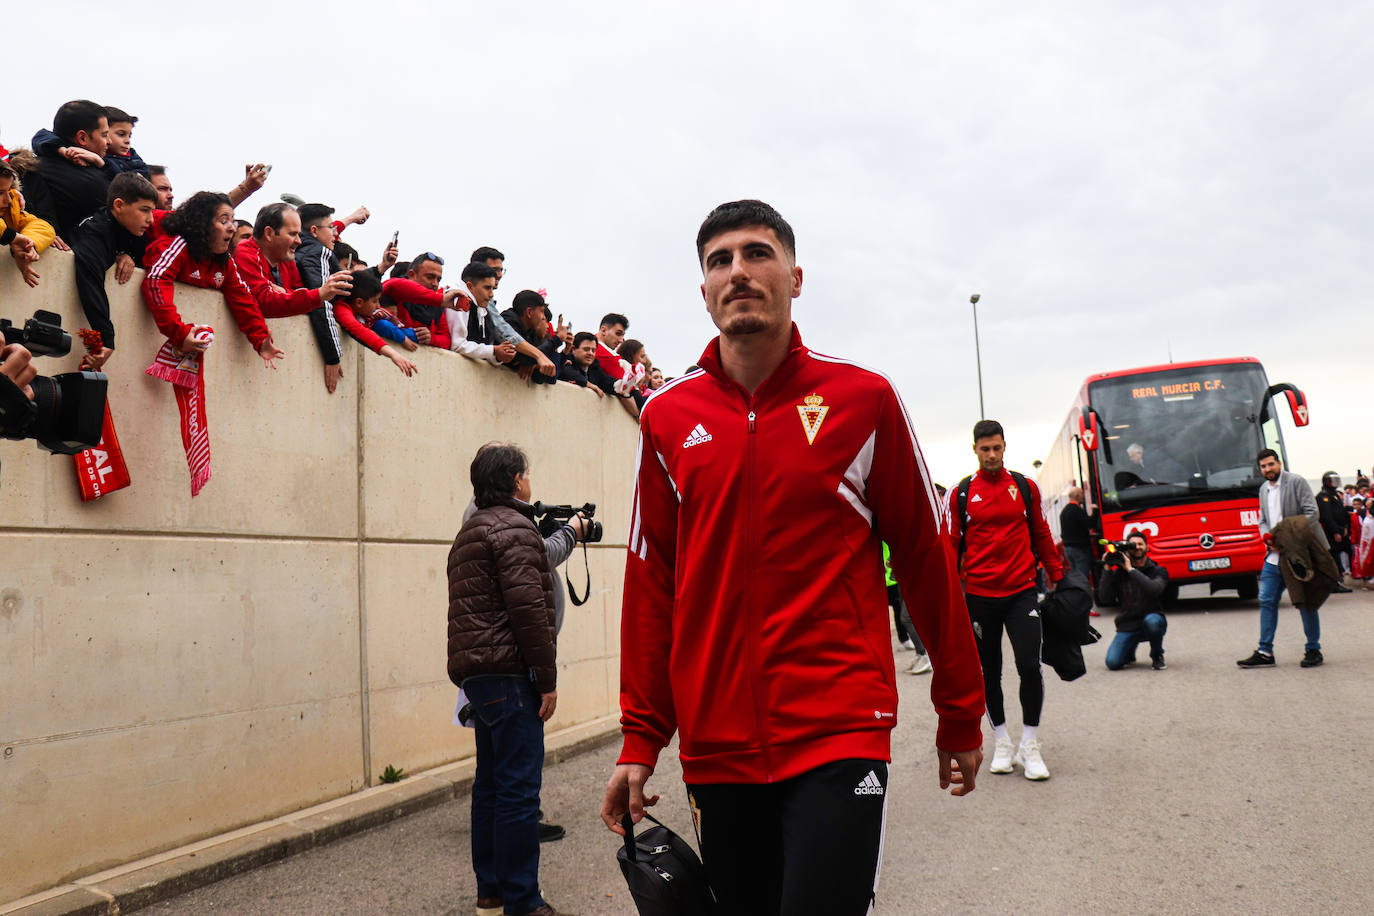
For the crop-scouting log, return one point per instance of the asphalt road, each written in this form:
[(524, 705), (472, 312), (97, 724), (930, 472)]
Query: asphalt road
[(1200, 789)]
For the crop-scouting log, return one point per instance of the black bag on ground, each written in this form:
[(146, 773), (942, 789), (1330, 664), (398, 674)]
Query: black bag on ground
[(664, 874)]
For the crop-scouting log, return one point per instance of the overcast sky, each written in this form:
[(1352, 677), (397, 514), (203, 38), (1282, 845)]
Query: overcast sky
[(1119, 181)]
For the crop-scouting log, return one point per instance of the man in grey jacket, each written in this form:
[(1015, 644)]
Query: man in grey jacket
[(1282, 495)]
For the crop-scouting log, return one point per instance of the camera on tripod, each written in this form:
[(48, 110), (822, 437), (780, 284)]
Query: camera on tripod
[(67, 410), (551, 518)]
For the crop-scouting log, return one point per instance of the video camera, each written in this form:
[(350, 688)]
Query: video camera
[(67, 410), (551, 518), (1112, 551)]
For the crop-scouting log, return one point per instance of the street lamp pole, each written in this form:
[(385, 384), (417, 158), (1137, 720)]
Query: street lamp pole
[(978, 352)]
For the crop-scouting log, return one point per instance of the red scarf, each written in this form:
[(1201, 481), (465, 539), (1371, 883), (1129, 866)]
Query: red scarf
[(186, 372)]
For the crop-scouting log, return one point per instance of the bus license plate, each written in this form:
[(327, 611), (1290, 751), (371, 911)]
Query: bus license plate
[(1212, 563)]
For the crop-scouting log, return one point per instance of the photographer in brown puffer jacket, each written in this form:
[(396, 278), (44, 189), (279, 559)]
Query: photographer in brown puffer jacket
[(501, 652)]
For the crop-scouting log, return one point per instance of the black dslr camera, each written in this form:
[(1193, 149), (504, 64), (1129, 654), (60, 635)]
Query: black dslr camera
[(551, 518), (67, 410), (1113, 551)]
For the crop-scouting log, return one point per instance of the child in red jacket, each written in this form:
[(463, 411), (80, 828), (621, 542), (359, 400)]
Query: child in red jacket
[(357, 314)]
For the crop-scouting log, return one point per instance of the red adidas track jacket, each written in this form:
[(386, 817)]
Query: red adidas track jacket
[(755, 616)]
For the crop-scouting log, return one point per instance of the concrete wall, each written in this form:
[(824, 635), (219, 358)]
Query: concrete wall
[(172, 668)]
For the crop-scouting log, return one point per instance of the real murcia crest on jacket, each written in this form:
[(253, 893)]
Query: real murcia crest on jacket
[(812, 413), (1012, 490), (219, 279)]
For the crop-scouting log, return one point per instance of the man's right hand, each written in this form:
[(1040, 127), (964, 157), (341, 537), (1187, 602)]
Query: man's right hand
[(960, 769), (337, 284), (625, 794), (410, 345), (332, 373), (504, 352), (578, 523), (422, 335), (547, 703)]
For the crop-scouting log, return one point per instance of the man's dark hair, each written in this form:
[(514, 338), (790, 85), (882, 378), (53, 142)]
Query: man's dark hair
[(76, 116), (366, 284), (240, 223), (612, 319), (486, 253), (740, 213), (985, 429), (1268, 453), (419, 260), (130, 187), (582, 337), (272, 216), (194, 221), (313, 213), (399, 269), (1138, 534), (155, 170), (115, 115), (343, 251), (628, 350), (476, 270), (528, 299), (493, 473)]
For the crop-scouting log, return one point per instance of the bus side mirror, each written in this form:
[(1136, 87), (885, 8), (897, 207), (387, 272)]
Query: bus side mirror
[(1088, 432), (1297, 402)]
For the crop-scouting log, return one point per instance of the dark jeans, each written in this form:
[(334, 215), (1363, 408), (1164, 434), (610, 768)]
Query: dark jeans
[(1015, 614), (505, 792), (1122, 649), (810, 844)]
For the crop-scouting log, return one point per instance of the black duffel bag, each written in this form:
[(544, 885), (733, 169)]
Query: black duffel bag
[(664, 874)]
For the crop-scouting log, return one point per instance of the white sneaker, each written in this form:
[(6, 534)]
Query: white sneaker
[(908, 645), (1001, 757), (920, 664), (1028, 755)]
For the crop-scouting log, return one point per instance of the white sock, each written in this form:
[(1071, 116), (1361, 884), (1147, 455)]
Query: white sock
[(999, 733), (1028, 733)]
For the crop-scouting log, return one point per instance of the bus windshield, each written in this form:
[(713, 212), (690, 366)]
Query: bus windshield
[(1180, 436)]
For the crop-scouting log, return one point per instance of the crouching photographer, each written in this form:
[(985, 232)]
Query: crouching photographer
[(1136, 583)]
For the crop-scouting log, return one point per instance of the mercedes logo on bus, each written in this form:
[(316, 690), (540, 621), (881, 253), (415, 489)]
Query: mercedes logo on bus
[(1207, 542)]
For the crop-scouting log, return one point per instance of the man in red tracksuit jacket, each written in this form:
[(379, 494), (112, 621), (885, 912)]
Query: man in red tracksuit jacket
[(266, 262), (755, 616), (998, 563)]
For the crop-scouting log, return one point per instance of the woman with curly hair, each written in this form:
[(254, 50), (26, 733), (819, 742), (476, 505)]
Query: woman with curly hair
[(195, 250)]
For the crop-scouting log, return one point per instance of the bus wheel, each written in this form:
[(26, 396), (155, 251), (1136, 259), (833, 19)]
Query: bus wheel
[(1249, 589), (1169, 598)]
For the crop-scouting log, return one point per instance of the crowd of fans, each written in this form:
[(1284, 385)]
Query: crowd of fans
[(1352, 537), (83, 188)]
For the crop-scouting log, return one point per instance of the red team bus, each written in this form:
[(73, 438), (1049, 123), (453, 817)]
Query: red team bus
[(1170, 450)]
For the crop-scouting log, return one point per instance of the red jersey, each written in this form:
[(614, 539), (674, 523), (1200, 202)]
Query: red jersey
[(175, 264), (997, 557), (276, 300), (358, 329), (610, 362), (755, 619)]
